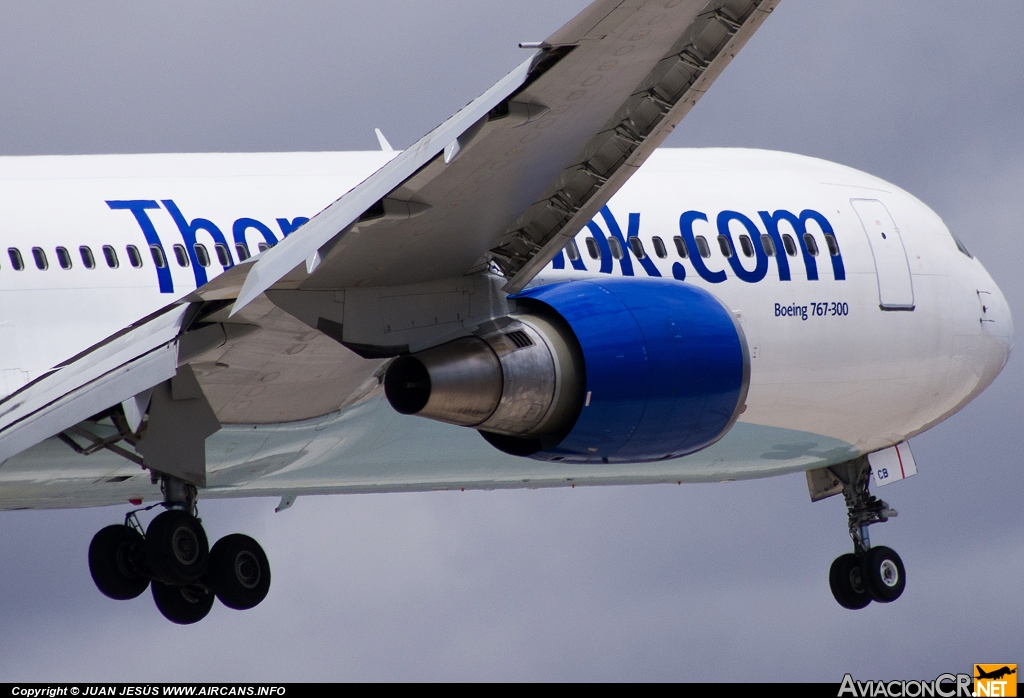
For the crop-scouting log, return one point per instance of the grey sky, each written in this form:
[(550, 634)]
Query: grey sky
[(696, 582)]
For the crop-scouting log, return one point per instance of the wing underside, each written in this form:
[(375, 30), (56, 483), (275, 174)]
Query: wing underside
[(508, 180), (496, 191)]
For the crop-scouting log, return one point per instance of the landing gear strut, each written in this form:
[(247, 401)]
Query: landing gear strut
[(867, 574), (175, 560)]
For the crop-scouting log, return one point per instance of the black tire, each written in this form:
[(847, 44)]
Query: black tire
[(884, 575), (183, 605), (239, 571), (847, 584), (177, 548), (113, 562)]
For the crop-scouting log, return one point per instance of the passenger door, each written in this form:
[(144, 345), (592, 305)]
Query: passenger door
[(895, 286)]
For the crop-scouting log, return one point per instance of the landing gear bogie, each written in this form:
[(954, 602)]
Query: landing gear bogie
[(868, 573), (173, 558)]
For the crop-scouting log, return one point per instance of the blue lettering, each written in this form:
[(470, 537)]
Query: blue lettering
[(799, 226), (771, 224), (188, 234), (138, 209), (606, 252), (578, 263), (290, 226), (243, 224), (838, 269), (761, 267), (626, 263), (724, 222), (791, 310), (632, 231), (686, 230)]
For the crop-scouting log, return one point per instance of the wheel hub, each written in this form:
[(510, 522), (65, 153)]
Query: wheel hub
[(856, 583), (247, 569), (889, 573), (185, 546), (124, 555)]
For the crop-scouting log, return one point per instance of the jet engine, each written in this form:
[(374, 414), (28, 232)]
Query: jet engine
[(609, 370)]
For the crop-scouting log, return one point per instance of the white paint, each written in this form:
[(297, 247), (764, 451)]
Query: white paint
[(892, 464), (895, 287), (835, 387)]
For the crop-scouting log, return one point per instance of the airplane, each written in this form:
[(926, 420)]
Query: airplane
[(535, 269)]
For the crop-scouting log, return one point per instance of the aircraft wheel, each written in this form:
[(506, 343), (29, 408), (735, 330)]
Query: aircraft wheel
[(177, 548), (883, 574), (112, 562), (239, 571), (183, 605), (845, 579)]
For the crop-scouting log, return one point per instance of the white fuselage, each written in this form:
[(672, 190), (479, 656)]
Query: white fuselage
[(911, 329)]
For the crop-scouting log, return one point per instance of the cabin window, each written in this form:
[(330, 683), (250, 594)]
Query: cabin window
[(659, 247), (833, 246), (787, 242), (39, 256), (615, 246), (262, 246), (223, 256), (16, 260), (133, 256), (202, 256), (63, 258), (637, 245), (571, 251), (768, 245), (702, 247), (87, 259), (724, 246), (681, 247), (159, 259), (811, 244), (242, 250), (593, 249), (746, 246), (110, 254), (181, 256)]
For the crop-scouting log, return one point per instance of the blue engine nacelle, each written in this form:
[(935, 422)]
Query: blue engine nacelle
[(609, 370)]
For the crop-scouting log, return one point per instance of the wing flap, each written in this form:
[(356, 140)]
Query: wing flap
[(658, 102), (106, 375), (502, 185), (510, 178), (320, 230)]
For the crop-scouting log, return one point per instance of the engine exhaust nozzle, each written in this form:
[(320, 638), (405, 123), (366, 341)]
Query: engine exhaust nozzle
[(459, 382)]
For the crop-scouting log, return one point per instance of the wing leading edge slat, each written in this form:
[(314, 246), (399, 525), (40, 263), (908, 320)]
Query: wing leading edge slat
[(641, 124), (319, 231), (510, 178)]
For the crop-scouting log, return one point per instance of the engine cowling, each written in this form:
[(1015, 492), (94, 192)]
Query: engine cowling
[(609, 370)]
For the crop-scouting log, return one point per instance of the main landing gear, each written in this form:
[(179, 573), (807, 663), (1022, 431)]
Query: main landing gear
[(867, 574), (174, 558)]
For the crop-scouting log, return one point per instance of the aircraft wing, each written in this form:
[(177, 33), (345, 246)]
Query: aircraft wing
[(500, 186), (107, 374), (507, 181)]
